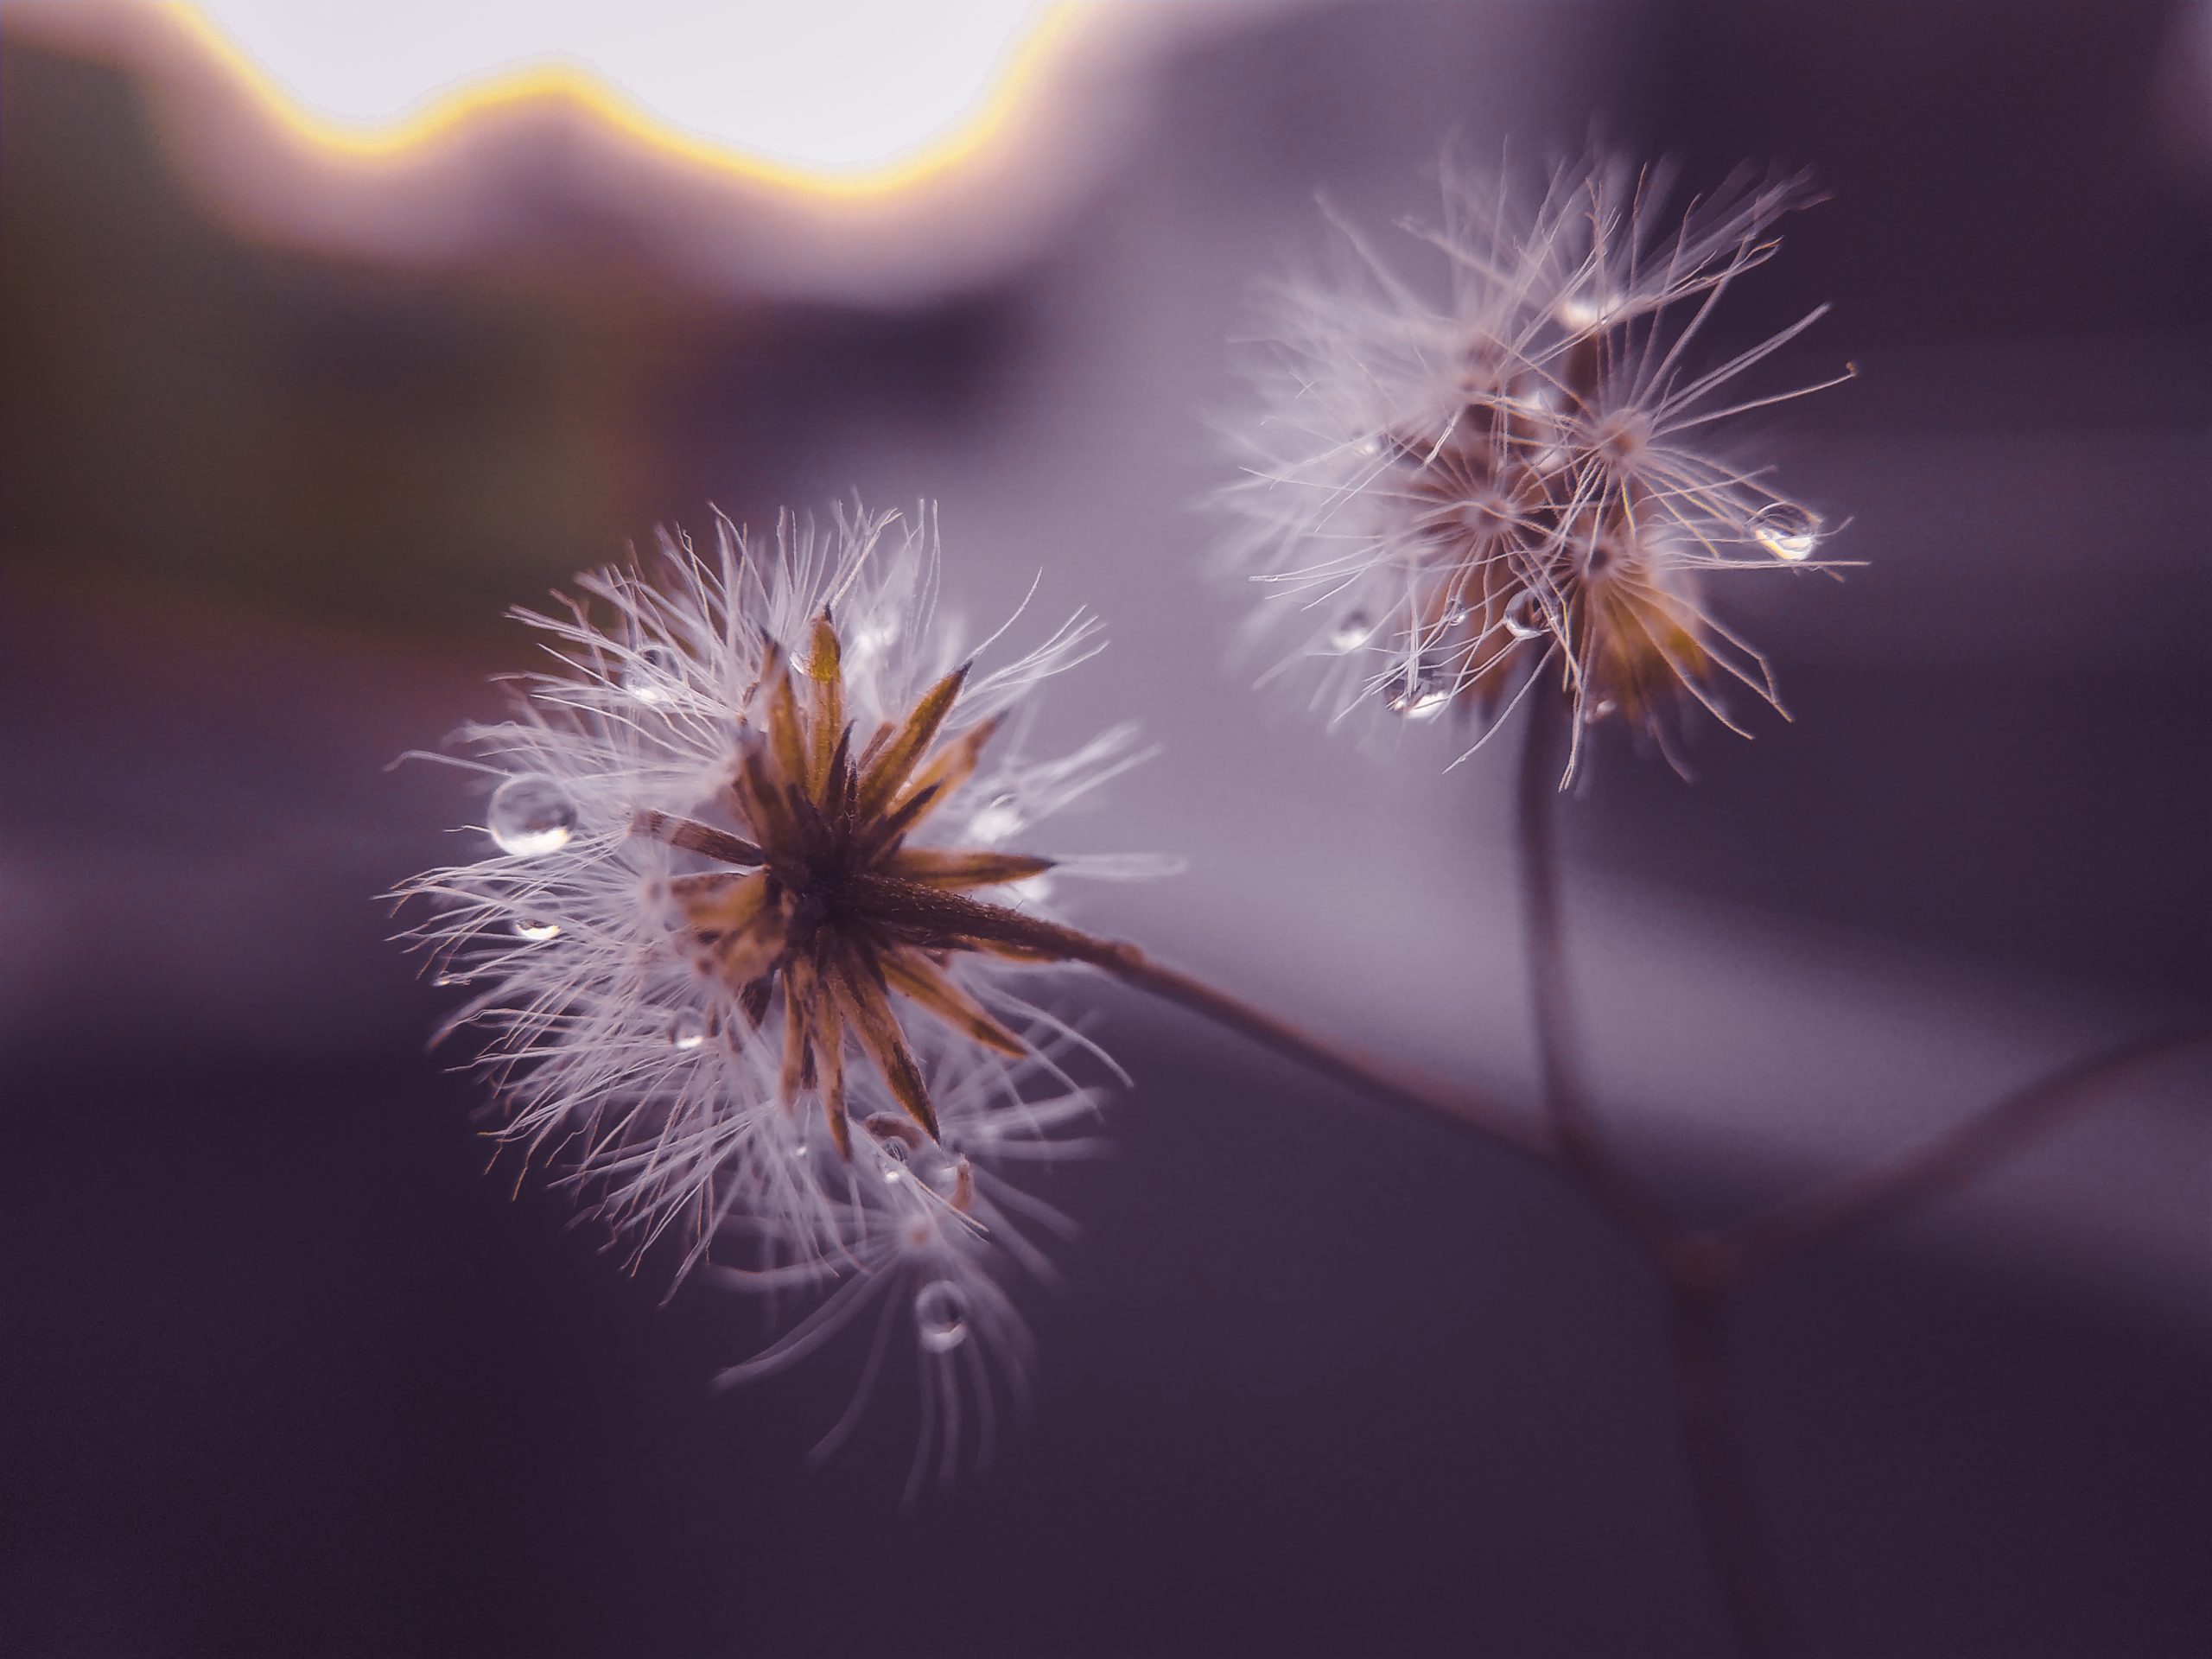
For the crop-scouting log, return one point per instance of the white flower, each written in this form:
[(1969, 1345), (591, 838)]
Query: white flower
[(1502, 480), (733, 965)]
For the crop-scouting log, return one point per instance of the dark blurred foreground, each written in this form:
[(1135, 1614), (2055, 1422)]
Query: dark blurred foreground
[(289, 1378)]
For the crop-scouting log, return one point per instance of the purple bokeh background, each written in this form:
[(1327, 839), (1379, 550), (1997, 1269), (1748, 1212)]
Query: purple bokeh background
[(280, 1373)]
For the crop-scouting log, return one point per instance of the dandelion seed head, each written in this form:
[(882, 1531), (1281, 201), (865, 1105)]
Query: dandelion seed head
[(1485, 467), (748, 969)]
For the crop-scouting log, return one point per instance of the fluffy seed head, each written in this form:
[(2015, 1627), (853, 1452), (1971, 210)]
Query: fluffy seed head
[(1504, 483), (747, 947)]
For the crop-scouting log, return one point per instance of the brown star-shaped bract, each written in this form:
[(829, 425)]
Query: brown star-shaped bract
[(830, 903)]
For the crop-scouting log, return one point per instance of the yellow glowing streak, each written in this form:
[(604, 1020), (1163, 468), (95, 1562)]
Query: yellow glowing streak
[(555, 84)]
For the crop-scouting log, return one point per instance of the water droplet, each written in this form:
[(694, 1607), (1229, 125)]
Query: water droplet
[(451, 979), (530, 815), (1525, 615), (1597, 709), (998, 819), (1786, 529), (1355, 630), (536, 929), (652, 673), (1421, 691), (687, 1030), (1455, 614), (1588, 308), (941, 1316), (1536, 397), (928, 1166), (908, 1155), (1031, 890)]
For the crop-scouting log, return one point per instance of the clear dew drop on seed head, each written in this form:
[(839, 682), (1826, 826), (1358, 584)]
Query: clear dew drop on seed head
[(1421, 691), (651, 674), (530, 815), (941, 1316), (1525, 615), (1354, 630), (1786, 529), (686, 1030)]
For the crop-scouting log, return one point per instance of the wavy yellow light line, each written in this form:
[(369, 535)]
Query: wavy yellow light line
[(576, 88)]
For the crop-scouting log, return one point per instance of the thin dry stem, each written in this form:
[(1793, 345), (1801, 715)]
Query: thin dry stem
[(1463, 1107), (1618, 1191), (1466, 1108), (1728, 1508), (1784, 1235)]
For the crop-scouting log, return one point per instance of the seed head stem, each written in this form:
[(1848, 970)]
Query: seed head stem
[(1466, 1108), (1783, 1235), (1728, 1510), (1581, 1144)]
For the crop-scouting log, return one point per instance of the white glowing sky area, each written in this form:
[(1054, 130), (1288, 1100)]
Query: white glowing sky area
[(825, 84)]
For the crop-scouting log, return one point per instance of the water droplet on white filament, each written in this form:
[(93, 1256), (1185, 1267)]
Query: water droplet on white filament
[(1786, 529), (1586, 309), (536, 929), (652, 673), (941, 1316), (1524, 615), (530, 815), (687, 1030), (1355, 630), (1420, 692)]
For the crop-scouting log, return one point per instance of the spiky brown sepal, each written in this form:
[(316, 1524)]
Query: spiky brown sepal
[(829, 905)]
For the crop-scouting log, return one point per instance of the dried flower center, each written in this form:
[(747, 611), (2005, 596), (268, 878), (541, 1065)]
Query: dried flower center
[(826, 903)]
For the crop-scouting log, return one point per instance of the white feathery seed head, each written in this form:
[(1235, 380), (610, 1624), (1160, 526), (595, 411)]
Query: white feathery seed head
[(749, 950), (1494, 475)]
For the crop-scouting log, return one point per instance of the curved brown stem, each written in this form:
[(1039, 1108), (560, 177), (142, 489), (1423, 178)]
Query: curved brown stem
[(1464, 1108), (1782, 1236), (1728, 1509), (1127, 963), (1581, 1141)]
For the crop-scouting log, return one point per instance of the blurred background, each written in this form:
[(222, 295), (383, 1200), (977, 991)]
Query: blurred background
[(322, 348)]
